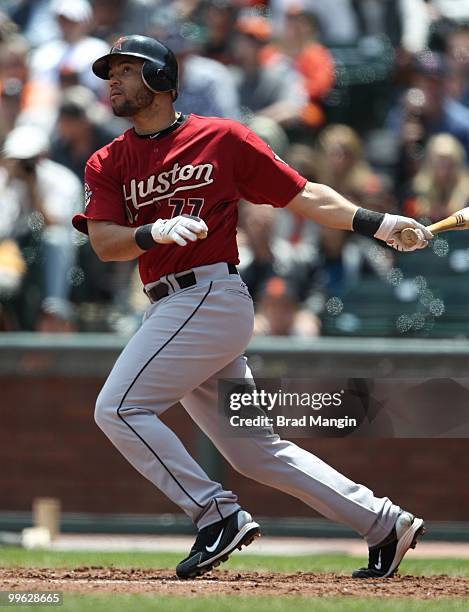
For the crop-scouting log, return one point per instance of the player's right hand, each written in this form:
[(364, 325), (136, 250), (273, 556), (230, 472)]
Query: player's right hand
[(179, 230)]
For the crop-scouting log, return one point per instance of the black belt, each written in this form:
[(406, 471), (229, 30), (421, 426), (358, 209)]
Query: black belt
[(184, 281)]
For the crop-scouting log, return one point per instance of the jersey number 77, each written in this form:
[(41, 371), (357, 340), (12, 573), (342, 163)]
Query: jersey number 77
[(189, 206)]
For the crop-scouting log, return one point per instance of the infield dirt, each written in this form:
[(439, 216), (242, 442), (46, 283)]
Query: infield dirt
[(164, 582)]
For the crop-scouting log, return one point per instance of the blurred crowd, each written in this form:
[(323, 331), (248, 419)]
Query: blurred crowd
[(370, 97)]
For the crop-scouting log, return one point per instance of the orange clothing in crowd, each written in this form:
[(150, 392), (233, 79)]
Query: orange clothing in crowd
[(316, 64), (36, 94)]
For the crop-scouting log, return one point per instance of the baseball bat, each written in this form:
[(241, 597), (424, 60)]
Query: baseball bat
[(459, 220)]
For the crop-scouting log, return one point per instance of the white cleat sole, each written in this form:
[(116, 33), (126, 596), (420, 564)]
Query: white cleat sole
[(406, 541)]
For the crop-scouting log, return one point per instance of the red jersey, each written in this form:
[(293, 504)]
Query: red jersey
[(203, 167)]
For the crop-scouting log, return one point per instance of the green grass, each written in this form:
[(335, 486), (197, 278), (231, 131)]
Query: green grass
[(340, 564), (142, 603)]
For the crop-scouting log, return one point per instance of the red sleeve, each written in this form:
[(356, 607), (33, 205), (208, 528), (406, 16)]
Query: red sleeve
[(104, 199), (261, 176)]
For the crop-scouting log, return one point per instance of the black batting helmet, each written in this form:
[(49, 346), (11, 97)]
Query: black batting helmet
[(159, 70)]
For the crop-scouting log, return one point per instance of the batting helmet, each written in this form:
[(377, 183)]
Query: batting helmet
[(159, 70)]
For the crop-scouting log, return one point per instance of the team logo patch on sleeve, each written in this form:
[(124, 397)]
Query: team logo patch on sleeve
[(88, 194)]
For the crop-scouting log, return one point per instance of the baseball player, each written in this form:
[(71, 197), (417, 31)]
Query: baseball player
[(165, 192)]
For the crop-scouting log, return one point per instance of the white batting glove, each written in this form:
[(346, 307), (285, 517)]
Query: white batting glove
[(178, 230), (390, 232)]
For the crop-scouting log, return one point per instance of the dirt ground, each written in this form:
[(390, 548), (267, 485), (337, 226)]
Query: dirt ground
[(164, 582)]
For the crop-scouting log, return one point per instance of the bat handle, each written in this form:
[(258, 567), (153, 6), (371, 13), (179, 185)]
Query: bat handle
[(409, 236)]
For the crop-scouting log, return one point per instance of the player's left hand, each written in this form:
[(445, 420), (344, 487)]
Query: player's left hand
[(390, 232), (179, 230)]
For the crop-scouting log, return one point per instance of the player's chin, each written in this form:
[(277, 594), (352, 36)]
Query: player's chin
[(121, 108)]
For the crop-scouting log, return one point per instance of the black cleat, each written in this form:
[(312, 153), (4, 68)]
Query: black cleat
[(384, 559), (215, 543)]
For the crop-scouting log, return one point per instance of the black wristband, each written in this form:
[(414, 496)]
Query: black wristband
[(367, 222), (143, 237)]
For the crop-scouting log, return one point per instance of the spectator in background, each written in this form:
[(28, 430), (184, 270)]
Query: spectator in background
[(256, 251), (265, 253), (74, 51), (280, 244), (268, 85), (12, 270), (343, 258), (38, 198), (35, 21), (14, 59), (293, 228), (440, 113), (341, 164), (7, 27), (412, 139), (379, 17), (290, 230), (23, 99), (455, 10), (458, 53), (442, 185), (300, 41), (113, 18), (280, 313), (338, 22), (206, 87), (219, 20), (416, 20), (11, 90), (83, 126), (418, 17), (188, 10), (332, 260)]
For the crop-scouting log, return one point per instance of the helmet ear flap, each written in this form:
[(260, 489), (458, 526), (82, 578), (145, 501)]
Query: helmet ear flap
[(156, 78)]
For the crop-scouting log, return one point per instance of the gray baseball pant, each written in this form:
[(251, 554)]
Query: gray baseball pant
[(189, 340)]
